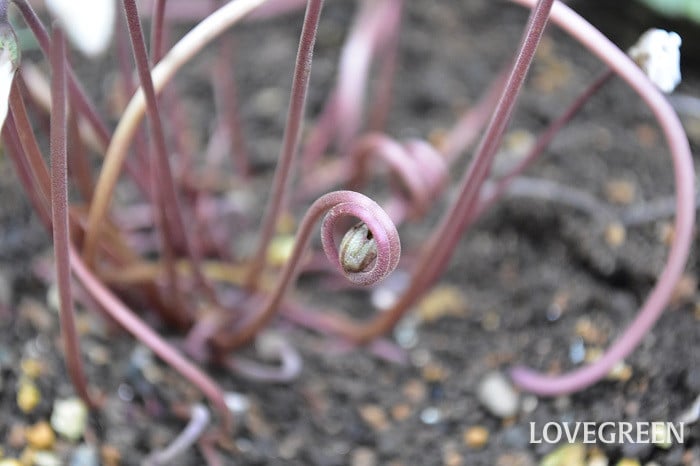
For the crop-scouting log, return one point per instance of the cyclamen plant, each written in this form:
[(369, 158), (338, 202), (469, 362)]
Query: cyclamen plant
[(190, 284)]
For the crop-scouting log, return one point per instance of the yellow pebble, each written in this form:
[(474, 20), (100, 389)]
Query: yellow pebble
[(31, 368), (28, 397), (10, 462), (27, 456), (40, 436), (280, 250), (476, 437), (110, 456), (628, 462), (615, 235), (443, 301)]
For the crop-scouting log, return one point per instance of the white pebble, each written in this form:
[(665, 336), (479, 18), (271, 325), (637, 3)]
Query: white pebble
[(497, 395), (657, 54), (69, 418)]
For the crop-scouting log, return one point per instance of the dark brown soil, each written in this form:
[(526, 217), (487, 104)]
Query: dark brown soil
[(523, 258)]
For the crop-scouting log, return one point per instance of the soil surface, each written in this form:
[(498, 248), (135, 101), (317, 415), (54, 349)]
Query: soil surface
[(537, 281)]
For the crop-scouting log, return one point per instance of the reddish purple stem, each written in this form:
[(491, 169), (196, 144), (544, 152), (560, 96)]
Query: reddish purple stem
[(290, 144), (59, 214)]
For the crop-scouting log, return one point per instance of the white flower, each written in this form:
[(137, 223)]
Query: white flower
[(88, 23), (9, 61), (657, 54)]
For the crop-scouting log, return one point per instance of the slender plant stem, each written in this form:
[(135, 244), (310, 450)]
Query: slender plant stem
[(157, 27), (59, 214), (126, 69), (80, 165), (224, 82), (160, 167), (656, 301), (78, 96), (336, 205), (199, 421), (139, 329), (37, 194), (543, 140), (167, 212), (436, 255), (81, 101), (295, 115), (181, 53), (27, 139)]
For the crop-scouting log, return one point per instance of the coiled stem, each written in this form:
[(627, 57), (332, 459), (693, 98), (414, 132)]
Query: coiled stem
[(543, 384), (419, 167), (336, 206)]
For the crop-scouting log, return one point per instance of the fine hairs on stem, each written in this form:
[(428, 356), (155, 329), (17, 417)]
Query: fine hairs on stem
[(174, 250), (685, 215), (59, 214)]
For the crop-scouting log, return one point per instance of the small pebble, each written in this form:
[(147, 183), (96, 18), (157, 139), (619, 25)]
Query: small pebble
[(529, 403), (433, 372), (621, 192), (476, 437), (374, 416), (69, 418), (46, 458), (28, 396), (16, 437), (615, 235), (621, 372), (498, 396), (40, 436), (385, 295), (414, 391), (443, 301), (280, 250), (430, 416), (573, 454), (597, 459), (401, 412), (661, 436), (406, 332), (515, 459), (628, 462), (577, 351), (10, 462), (363, 456), (110, 456), (451, 457), (237, 403), (85, 455), (31, 368), (590, 333)]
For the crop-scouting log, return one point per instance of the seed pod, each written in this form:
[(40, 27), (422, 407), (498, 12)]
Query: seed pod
[(357, 249)]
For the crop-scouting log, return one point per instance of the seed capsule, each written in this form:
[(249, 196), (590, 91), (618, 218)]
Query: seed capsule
[(357, 249)]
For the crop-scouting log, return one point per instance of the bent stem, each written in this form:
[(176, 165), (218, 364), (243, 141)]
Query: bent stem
[(443, 241), (199, 421), (269, 345), (181, 53), (336, 205), (655, 303), (59, 215), (118, 311), (290, 144), (543, 140)]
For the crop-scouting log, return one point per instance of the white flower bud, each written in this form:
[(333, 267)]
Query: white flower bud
[(657, 54), (9, 61), (89, 24), (357, 249)]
